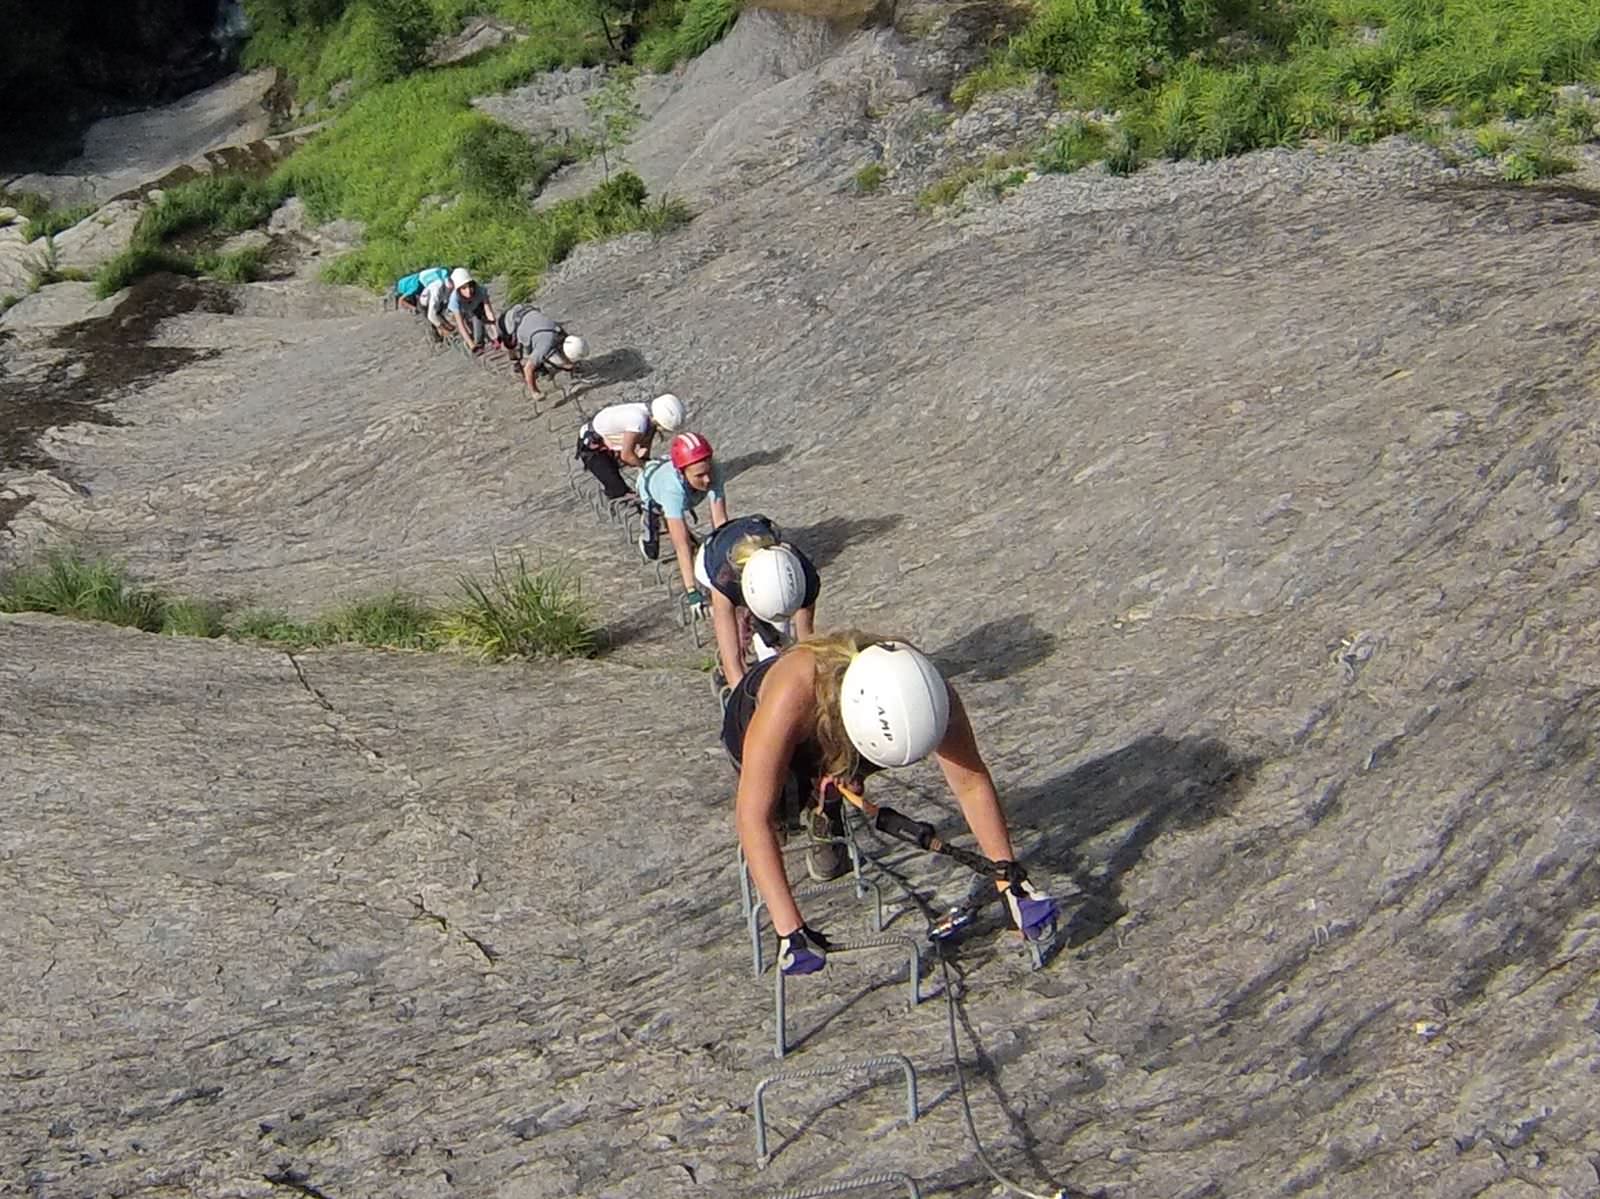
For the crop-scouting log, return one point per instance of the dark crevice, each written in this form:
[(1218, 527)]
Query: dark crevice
[(294, 1180)]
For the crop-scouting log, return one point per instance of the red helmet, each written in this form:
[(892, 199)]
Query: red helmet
[(689, 448)]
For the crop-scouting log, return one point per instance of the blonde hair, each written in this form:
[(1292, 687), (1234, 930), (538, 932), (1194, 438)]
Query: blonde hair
[(833, 654), (745, 548)]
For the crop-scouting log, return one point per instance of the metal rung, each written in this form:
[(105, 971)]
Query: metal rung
[(907, 1070), (824, 1190), (757, 954), (913, 970)]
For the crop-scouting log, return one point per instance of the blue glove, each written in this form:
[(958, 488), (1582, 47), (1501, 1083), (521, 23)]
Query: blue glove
[(804, 951), (1032, 911)]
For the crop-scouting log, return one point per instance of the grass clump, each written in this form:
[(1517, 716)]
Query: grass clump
[(518, 613), (996, 75), (394, 620), (65, 583), (214, 206), (1210, 78), (1071, 146), (673, 31), (870, 178), (1535, 158), (999, 173), (194, 618), (43, 220), (1491, 141)]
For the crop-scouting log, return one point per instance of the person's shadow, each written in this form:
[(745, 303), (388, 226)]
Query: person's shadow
[(733, 467), (826, 540), (1150, 785), (623, 365), (996, 649)]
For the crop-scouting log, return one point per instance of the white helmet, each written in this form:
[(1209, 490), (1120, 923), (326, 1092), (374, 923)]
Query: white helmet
[(574, 349), (774, 583), (666, 412), (895, 704), (460, 277)]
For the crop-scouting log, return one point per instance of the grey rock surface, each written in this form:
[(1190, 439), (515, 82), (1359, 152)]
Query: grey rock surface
[(98, 238), (1252, 508), (477, 35), (121, 153)]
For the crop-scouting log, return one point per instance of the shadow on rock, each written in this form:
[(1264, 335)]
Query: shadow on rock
[(737, 466), (1144, 788), (996, 649), (625, 365), (826, 540), (105, 358), (626, 632)]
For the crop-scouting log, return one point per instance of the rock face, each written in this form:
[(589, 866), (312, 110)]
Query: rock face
[(1251, 508), (123, 153)]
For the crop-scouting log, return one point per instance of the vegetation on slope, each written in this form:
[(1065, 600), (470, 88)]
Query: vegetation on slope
[(514, 613), (1209, 78)]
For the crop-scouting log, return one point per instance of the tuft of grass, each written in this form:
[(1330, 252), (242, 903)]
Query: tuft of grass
[(269, 624), (1071, 146), (870, 177), (518, 613), (394, 620), (194, 618), (997, 75), (1491, 141), (135, 262), (240, 266), (1535, 158), (999, 173), (65, 583), (43, 220), (1574, 124)]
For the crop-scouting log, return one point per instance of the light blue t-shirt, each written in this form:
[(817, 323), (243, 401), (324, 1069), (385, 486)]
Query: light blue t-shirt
[(663, 485)]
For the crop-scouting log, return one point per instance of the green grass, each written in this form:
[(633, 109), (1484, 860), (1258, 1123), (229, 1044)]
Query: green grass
[(1071, 146), (870, 177), (194, 618), (1535, 157), (519, 613), (996, 75), (43, 220), (1491, 141), (65, 583), (213, 207), (514, 613), (999, 173), (1210, 78)]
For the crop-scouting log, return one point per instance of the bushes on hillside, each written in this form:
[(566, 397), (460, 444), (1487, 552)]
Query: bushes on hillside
[(1207, 78)]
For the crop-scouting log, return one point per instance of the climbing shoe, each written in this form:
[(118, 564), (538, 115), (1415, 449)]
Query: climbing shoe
[(826, 857)]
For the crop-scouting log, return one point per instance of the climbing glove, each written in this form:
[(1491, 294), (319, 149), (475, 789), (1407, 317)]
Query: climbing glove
[(1032, 911), (804, 951), (696, 603)]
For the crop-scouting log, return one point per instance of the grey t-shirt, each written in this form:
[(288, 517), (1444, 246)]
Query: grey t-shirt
[(536, 334)]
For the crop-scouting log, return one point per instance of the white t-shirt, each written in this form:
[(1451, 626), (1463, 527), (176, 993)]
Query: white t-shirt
[(433, 299), (611, 422)]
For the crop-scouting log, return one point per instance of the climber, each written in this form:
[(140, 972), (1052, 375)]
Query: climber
[(621, 435), (538, 343), (749, 571), (671, 490), (470, 306), (432, 299), (807, 726), (408, 288)]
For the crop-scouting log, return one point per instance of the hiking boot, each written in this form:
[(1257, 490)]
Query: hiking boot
[(826, 857)]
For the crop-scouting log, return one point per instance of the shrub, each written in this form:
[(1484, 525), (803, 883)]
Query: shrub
[(519, 614), (499, 163), (64, 583), (704, 22)]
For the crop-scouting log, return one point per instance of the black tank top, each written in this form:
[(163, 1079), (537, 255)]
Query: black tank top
[(806, 763)]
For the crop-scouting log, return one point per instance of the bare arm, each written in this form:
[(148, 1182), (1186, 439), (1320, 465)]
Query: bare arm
[(719, 513), (679, 532), (635, 449), (725, 623), (781, 722), (805, 623), (972, 785), (527, 375)]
